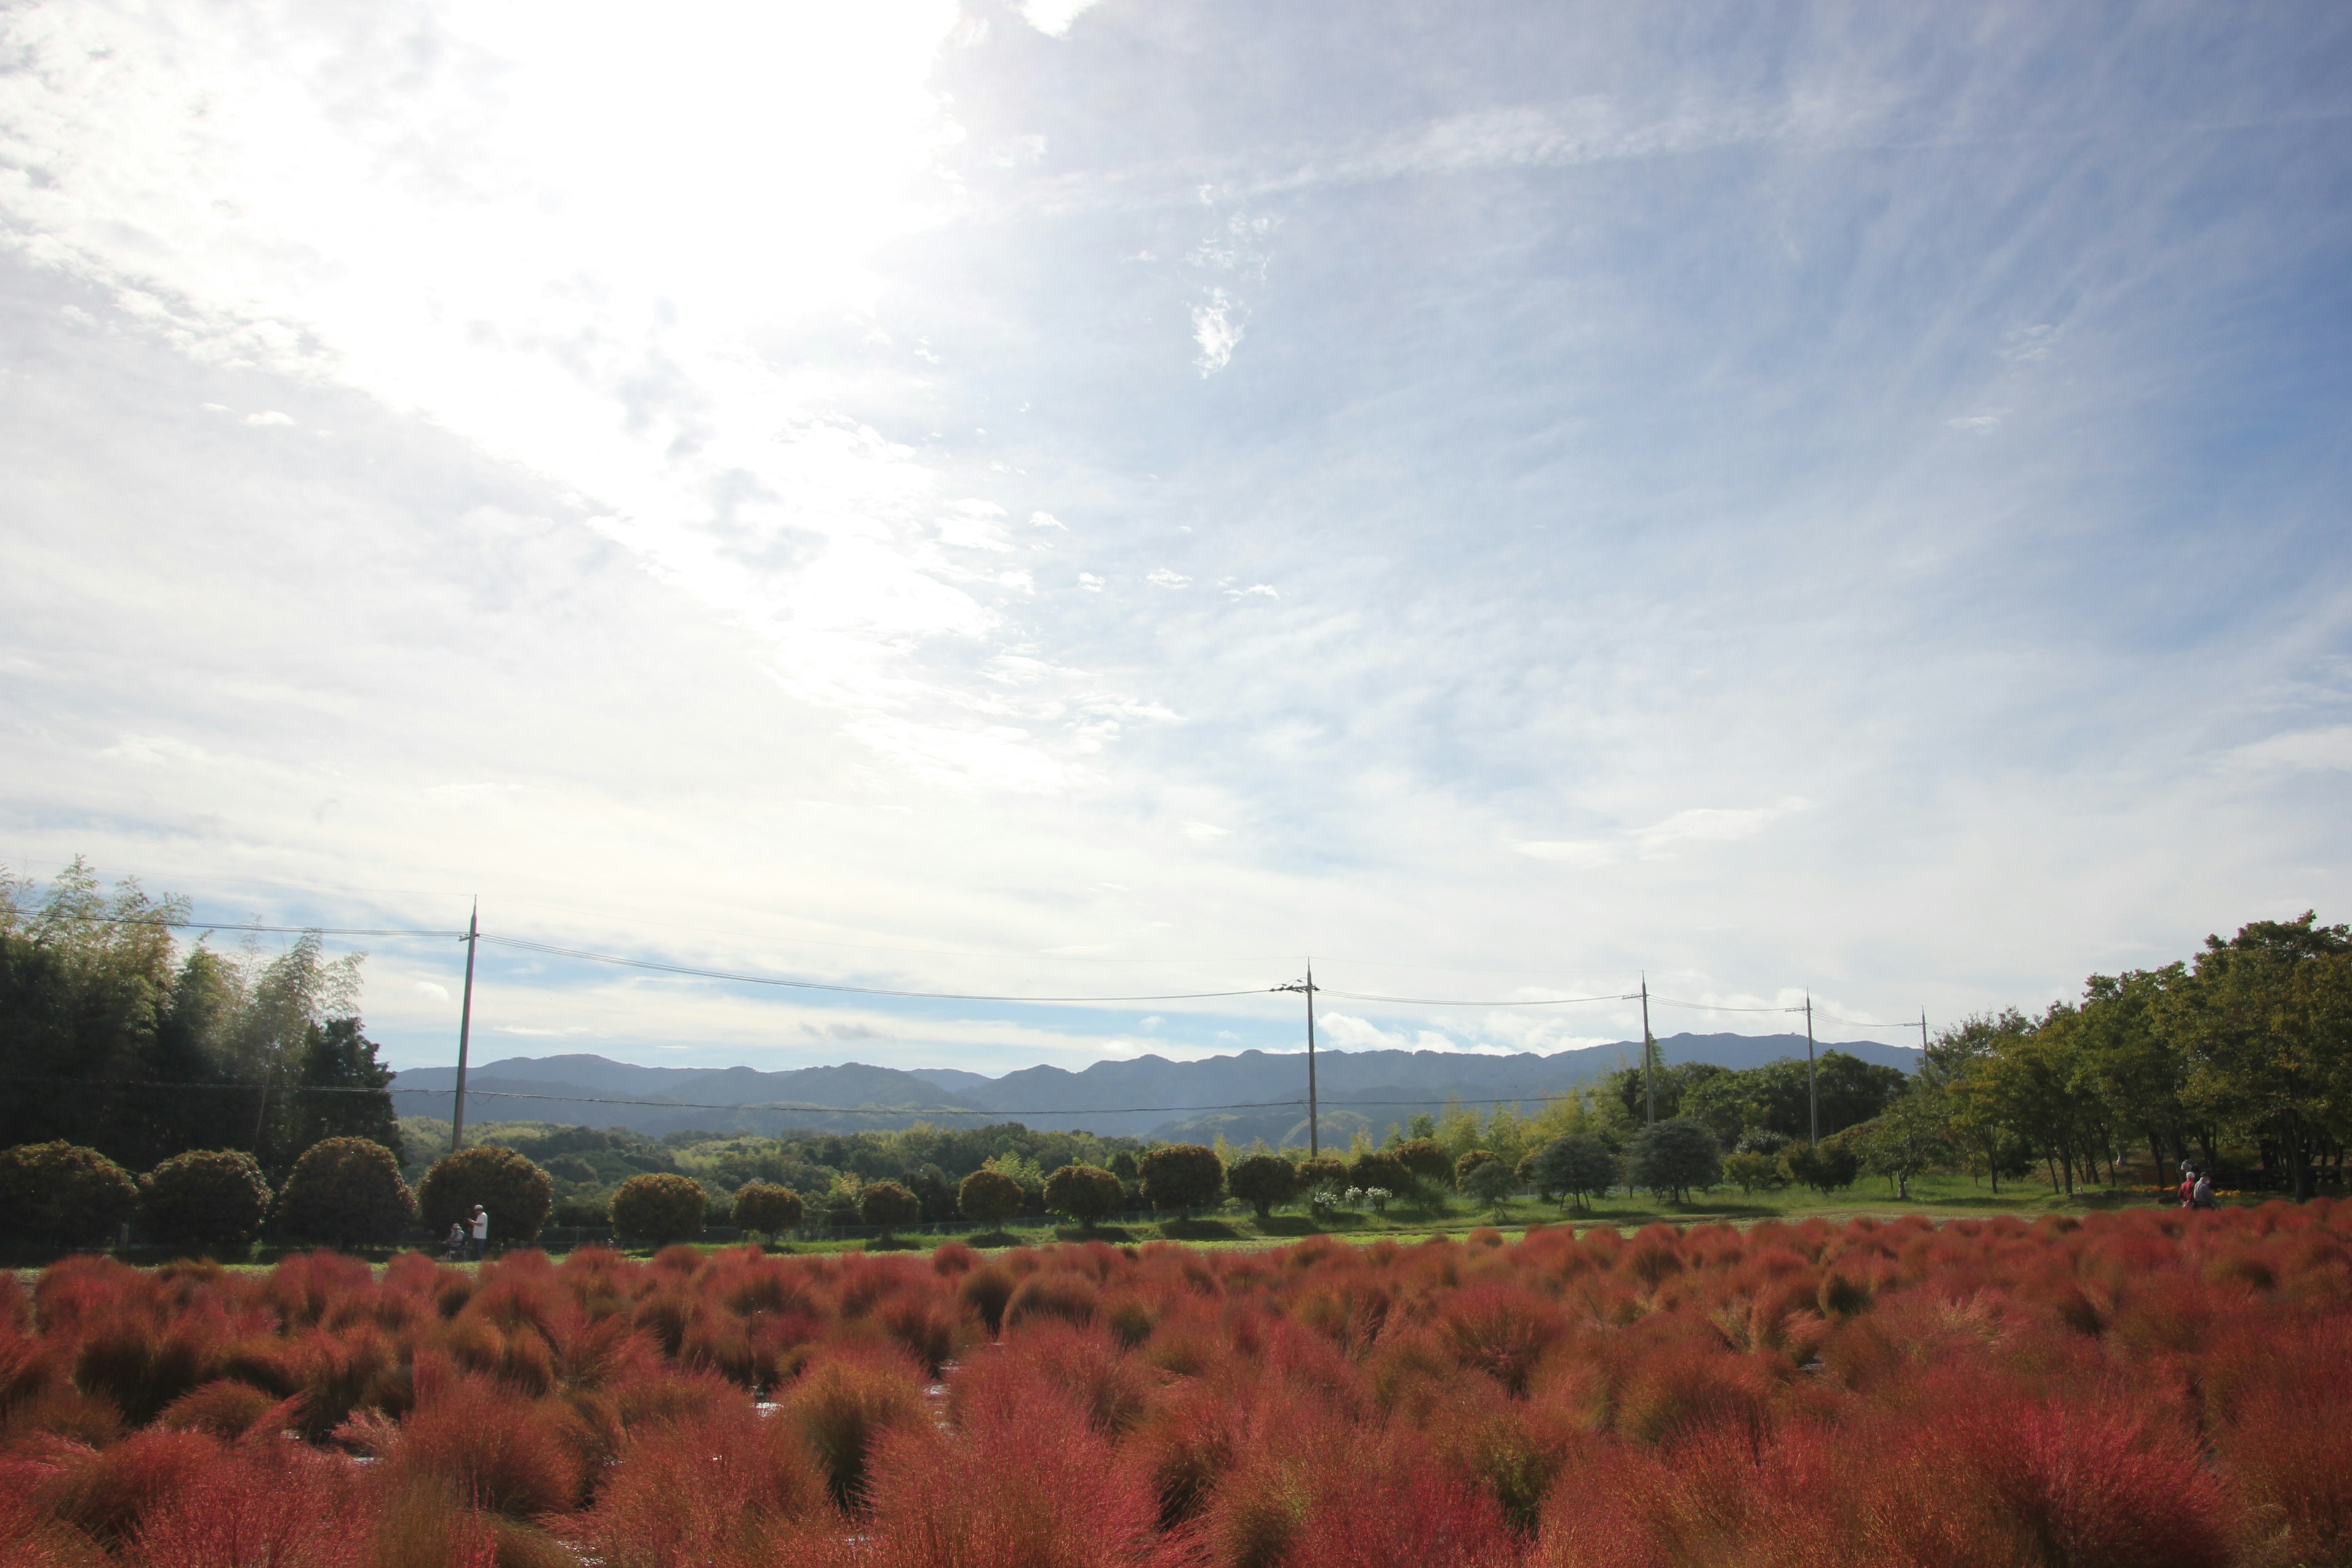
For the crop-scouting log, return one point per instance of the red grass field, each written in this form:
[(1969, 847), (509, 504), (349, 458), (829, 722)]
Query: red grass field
[(2151, 1390)]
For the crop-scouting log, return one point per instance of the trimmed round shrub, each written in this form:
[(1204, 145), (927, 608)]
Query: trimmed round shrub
[(1471, 1162), (1182, 1176), (992, 1197), (766, 1208), (1373, 1169), (659, 1207), (63, 1194), (517, 1193), (1322, 1170), (1672, 1157), (206, 1197), (888, 1205), (1085, 1192), (1263, 1180), (345, 1191), (1426, 1162)]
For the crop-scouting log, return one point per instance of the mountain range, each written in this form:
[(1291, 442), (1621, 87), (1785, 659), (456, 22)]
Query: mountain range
[(1244, 1096)]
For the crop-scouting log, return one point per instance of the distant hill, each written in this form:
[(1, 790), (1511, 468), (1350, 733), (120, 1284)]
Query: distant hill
[(1252, 1094)]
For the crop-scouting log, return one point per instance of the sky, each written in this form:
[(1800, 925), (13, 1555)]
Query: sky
[(1118, 499)]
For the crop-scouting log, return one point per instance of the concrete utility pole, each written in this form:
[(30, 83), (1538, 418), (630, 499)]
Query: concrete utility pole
[(464, 1028), (1314, 1129), (1648, 1088), (1812, 1089)]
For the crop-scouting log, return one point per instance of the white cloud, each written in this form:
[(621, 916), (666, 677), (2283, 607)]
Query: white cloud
[(432, 989), (1568, 851), (1047, 520), (1091, 583), (1217, 329), (270, 417), (974, 525), (2327, 749), (1167, 578), (1204, 831), (1053, 17), (1979, 424)]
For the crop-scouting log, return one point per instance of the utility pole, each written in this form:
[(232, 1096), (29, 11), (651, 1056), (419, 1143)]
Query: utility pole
[(1922, 1039), (1812, 1087), (464, 1028), (1314, 1129), (1648, 1088)]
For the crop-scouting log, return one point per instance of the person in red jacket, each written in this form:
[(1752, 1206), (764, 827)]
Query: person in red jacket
[(2188, 1185)]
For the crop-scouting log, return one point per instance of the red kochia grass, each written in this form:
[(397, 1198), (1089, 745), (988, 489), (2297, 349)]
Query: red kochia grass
[(2153, 1389)]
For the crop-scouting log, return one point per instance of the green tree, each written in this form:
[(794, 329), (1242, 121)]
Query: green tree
[(1374, 1168), (989, 1197), (213, 1198), (340, 1089), (763, 1208), (345, 1191), (1749, 1170), (1263, 1181), (1469, 1162), (1669, 1158), (515, 1191), (1087, 1193), (1181, 1177), (659, 1207), (887, 1206), (62, 1194), (1578, 1165), (1909, 1138), (1490, 1183), (2267, 1023), (1427, 1161), (1828, 1166)]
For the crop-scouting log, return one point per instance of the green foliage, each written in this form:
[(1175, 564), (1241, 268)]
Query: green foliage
[(1425, 1159), (1181, 1177), (989, 1197), (1490, 1183), (1910, 1137), (1670, 1158), (1374, 1168), (1323, 1171), (1264, 1182), (1827, 1167), (766, 1209), (1469, 1162), (888, 1205), (123, 1042), (1749, 1170), (212, 1198), (1087, 1193), (1578, 1165), (62, 1194), (516, 1191), (659, 1207), (345, 1191)]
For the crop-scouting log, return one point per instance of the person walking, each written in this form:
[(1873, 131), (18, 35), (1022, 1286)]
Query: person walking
[(2188, 1185), (481, 1230), (2201, 1196)]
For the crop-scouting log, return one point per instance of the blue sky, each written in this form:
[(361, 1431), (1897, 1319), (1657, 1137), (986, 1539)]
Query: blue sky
[(1117, 498)]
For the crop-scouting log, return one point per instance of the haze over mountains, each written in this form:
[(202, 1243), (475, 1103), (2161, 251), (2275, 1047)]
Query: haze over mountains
[(1249, 1095)]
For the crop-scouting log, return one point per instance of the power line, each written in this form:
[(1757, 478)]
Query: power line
[(516, 942), (1448, 1002), (288, 930)]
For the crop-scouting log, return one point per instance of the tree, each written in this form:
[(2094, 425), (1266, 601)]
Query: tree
[(517, 1193), (1826, 1167), (1374, 1170), (61, 1194), (345, 1191), (989, 1197), (1749, 1169), (766, 1209), (1323, 1171), (1471, 1162), (1425, 1160), (2267, 1023), (341, 1090), (1578, 1165), (1490, 1182), (1669, 1158), (1087, 1193), (1908, 1138), (886, 1205), (1181, 1177), (1263, 1180), (659, 1207), (213, 1198)]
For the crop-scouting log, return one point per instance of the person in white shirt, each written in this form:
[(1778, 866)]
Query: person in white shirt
[(481, 1229)]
